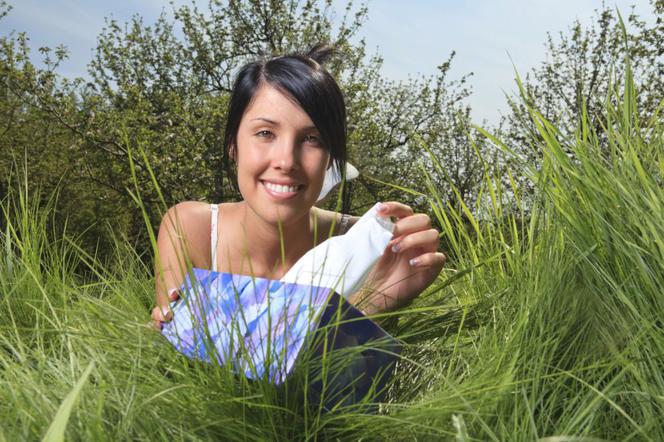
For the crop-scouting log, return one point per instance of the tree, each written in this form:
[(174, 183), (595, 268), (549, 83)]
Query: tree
[(34, 105), (172, 95), (577, 71), (158, 93)]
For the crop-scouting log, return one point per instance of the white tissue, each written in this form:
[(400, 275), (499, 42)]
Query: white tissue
[(343, 262)]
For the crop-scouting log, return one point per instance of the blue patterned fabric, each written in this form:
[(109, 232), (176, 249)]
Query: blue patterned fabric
[(258, 325)]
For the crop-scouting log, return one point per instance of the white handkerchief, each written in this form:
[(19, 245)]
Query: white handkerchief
[(343, 262)]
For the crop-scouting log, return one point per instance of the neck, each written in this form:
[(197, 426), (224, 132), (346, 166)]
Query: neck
[(275, 248)]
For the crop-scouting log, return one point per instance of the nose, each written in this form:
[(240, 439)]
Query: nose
[(286, 155)]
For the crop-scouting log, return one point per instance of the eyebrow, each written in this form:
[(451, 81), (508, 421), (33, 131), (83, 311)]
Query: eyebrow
[(276, 123), (267, 120)]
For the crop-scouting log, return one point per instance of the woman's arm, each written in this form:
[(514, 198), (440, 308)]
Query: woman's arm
[(179, 243)]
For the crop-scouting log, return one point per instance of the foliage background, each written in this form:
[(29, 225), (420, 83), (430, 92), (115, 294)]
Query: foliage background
[(546, 322)]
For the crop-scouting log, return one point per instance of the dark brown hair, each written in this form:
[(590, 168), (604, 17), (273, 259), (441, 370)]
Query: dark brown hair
[(301, 77)]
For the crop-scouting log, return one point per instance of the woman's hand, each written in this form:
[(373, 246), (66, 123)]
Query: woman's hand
[(409, 264), (161, 314)]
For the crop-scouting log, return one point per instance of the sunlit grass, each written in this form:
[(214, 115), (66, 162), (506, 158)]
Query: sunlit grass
[(546, 323)]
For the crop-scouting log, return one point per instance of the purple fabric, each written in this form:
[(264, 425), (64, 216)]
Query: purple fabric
[(257, 325)]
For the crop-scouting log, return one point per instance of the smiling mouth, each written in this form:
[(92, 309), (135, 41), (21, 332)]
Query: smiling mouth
[(281, 189)]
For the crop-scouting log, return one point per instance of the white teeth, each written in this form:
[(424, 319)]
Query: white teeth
[(279, 188)]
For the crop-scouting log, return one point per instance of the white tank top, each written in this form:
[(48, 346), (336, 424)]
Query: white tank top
[(214, 209)]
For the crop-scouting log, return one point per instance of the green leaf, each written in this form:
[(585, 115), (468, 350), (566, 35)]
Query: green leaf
[(56, 432)]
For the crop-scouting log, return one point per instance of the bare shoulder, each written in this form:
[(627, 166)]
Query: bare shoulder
[(187, 216), (190, 222)]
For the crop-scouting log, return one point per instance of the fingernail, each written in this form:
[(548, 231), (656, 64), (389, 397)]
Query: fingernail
[(395, 248), (164, 312), (173, 294), (413, 262)]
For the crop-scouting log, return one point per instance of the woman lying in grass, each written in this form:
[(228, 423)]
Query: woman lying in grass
[(286, 126)]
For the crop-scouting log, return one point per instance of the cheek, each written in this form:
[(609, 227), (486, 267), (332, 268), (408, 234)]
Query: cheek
[(250, 160), (316, 171), (249, 167), (318, 168), (319, 160)]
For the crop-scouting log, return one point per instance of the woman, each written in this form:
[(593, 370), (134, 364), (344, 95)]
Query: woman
[(286, 126)]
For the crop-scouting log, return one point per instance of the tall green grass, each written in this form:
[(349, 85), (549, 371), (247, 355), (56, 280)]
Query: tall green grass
[(548, 323)]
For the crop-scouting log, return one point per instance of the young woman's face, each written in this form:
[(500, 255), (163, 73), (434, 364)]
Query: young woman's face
[(281, 161)]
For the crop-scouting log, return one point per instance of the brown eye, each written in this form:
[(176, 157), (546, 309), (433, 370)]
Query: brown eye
[(264, 134), (312, 139)]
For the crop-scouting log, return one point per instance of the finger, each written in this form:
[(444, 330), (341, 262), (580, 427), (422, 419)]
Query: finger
[(411, 224), (162, 314), (174, 294), (396, 209), (435, 259), (156, 322), (156, 314), (427, 240), (166, 314)]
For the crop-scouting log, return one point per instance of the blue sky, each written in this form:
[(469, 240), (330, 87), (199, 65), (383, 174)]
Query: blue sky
[(412, 36)]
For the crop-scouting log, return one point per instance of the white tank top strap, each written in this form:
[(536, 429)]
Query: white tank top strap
[(214, 209)]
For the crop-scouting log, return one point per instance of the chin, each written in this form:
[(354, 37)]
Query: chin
[(283, 211)]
